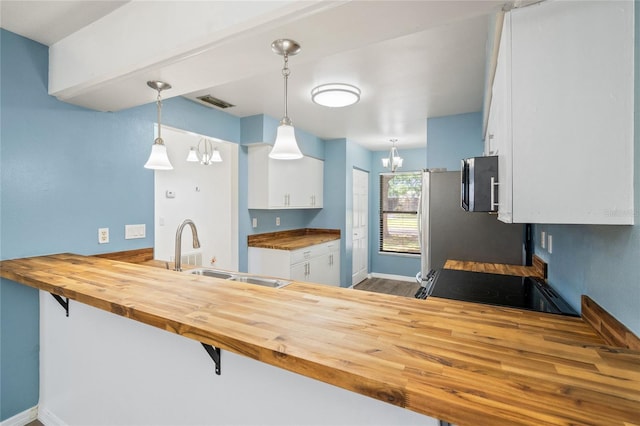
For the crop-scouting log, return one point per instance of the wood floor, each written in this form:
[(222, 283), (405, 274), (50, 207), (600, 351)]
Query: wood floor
[(381, 285)]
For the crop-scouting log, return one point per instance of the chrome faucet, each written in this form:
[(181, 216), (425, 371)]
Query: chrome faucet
[(196, 242)]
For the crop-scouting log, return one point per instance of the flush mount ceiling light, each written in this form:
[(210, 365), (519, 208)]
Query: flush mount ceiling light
[(205, 153), (335, 95), (394, 160), (158, 159), (285, 147)]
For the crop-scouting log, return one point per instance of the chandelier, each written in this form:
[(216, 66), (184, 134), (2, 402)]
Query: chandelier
[(204, 153), (394, 160)]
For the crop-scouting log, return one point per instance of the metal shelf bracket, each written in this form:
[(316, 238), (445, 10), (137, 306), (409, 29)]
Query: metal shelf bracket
[(63, 302), (214, 353)]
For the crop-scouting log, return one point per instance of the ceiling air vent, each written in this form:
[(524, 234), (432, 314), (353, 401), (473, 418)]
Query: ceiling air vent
[(210, 100)]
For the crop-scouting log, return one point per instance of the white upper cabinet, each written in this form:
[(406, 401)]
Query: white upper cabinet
[(284, 184), (561, 118)]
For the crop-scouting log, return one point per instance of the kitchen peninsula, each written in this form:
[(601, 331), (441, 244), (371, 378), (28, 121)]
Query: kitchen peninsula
[(461, 362)]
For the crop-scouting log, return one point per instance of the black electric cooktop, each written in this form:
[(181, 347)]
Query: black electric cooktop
[(495, 289)]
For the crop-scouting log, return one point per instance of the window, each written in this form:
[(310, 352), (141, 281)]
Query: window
[(399, 199)]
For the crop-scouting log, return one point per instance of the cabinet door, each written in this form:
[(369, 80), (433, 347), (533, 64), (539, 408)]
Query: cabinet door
[(572, 72), (501, 125), (299, 271), (283, 184), (269, 262), (325, 269), (315, 169), (305, 183), (333, 273), (282, 177)]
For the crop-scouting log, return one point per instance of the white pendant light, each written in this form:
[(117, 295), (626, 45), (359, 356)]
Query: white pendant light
[(158, 159), (204, 154), (285, 147), (393, 161), (335, 95)]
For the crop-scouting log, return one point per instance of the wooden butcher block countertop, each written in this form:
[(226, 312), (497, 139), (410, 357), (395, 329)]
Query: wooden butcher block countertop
[(466, 363), (294, 239), (537, 270)]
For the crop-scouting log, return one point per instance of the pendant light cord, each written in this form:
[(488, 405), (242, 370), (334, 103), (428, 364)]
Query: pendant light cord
[(159, 103), (285, 74)]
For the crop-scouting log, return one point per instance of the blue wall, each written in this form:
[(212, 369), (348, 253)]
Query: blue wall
[(66, 171), (452, 138), (342, 156), (601, 261)]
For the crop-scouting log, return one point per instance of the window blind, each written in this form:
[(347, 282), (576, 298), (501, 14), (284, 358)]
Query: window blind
[(399, 199)]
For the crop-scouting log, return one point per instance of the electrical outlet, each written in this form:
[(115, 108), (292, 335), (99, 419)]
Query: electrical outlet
[(254, 222), (543, 239), (550, 244), (103, 235), (277, 221)]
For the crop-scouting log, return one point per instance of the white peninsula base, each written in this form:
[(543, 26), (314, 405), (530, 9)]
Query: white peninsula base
[(97, 368)]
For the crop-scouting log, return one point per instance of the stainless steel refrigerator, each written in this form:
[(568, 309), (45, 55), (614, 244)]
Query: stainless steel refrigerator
[(449, 232)]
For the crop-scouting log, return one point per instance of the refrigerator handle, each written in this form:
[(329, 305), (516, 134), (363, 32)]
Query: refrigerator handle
[(420, 218)]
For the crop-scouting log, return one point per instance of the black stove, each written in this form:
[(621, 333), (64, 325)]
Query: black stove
[(494, 289)]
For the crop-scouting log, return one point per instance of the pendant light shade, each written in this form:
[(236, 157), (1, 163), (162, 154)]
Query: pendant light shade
[(285, 146), (158, 159)]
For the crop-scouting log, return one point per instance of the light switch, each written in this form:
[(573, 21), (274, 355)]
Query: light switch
[(135, 231), (550, 244), (254, 222), (543, 239), (277, 221)]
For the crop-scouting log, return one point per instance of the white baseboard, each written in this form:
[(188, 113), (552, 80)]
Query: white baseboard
[(47, 418), (23, 418), (393, 277)]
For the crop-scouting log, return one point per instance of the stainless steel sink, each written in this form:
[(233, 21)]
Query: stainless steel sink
[(237, 276), (211, 273), (267, 282)]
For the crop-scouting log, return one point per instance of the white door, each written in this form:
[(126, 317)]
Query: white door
[(360, 255)]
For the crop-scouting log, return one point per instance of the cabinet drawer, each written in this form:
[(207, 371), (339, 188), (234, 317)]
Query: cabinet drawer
[(310, 252)]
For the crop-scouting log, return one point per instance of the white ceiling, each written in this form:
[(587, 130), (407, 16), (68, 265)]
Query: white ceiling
[(411, 59)]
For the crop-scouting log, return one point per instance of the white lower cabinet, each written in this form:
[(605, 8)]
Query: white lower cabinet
[(319, 263)]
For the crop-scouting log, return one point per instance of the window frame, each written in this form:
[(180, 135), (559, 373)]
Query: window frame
[(408, 250)]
